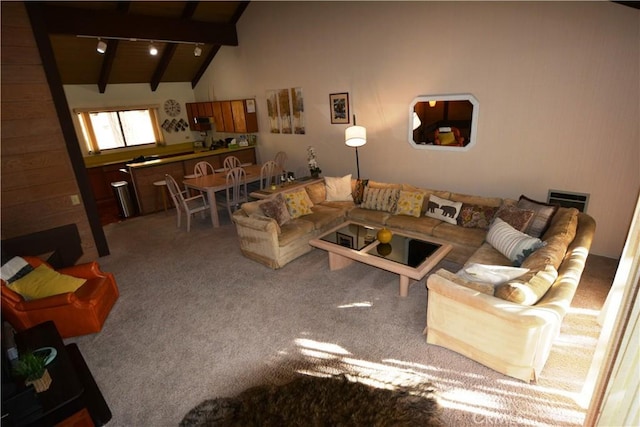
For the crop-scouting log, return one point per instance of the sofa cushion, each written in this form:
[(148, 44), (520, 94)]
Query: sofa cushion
[(476, 200), (514, 216), (343, 206), (322, 216), (423, 224), (542, 217), (293, 230), (476, 216), (276, 208), (317, 192), (558, 238), (298, 203), (443, 209), (358, 190), (369, 216), (380, 199), (514, 244), (43, 282), (410, 203), (338, 188), (459, 235)]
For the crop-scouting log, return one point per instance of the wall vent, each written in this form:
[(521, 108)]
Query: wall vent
[(568, 199)]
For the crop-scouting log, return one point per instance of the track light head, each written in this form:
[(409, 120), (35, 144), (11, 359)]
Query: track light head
[(102, 46), (197, 51), (153, 50)]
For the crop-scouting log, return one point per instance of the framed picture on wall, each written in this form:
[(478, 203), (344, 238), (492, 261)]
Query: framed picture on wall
[(339, 105)]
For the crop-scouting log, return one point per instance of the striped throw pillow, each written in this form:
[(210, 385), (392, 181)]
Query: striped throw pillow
[(512, 243), (380, 199)]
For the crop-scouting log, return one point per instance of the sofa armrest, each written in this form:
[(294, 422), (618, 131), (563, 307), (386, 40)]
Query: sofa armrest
[(511, 338), (89, 270), (526, 316), (256, 222), (48, 302)]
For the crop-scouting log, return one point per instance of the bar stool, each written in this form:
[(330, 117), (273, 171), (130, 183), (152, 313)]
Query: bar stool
[(161, 192)]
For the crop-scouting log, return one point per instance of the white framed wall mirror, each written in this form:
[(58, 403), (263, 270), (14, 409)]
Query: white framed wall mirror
[(443, 122)]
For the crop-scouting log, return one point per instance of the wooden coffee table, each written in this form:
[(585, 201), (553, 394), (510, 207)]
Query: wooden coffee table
[(409, 255)]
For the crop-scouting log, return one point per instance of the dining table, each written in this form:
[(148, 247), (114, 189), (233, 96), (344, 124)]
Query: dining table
[(218, 182)]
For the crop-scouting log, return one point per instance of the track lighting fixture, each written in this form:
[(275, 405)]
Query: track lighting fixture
[(153, 50), (102, 46), (197, 51)]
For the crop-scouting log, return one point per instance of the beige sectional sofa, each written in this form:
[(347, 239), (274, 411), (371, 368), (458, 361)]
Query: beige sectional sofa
[(520, 318)]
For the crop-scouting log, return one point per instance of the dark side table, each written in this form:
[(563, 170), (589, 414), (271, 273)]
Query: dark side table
[(73, 397)]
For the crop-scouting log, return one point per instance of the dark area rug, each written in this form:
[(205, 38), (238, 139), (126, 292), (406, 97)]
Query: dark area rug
[(317, 401)]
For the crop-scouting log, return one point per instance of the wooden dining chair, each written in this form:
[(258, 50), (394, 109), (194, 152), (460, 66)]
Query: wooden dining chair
[(190, 205), (200, 169), (281, 159), (268, 174), (231, 162), (236, 189)]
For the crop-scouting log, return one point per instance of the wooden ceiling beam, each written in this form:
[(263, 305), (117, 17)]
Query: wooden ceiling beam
[(110, 54), (234, 20), (170, 49), (118, 24)]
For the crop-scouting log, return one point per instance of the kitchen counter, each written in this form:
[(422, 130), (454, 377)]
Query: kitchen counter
[(144, 174), (188, 156)]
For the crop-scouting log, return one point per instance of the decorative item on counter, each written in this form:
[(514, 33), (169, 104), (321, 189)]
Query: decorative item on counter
[(384, 235), (314, 168)]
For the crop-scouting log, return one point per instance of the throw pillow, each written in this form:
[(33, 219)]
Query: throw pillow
[(512, 243), (476, 216), (44, 282), (543, 213), (494, 274), (358, 191), (380, 199), (14, 269), (338, 189), (410, 203), (298, 203), (276, 208), (443, 209), (515, 217), (447, 138)]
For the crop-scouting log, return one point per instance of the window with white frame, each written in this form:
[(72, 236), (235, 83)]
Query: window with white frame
[(109, 129)]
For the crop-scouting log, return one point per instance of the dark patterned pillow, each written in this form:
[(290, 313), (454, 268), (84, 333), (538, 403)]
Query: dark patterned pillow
[(543, 213), (358, 191), (515, 217), (276, 208), (476, 216)]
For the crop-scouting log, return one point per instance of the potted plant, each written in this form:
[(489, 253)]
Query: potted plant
[(32, 368), (314, 169)]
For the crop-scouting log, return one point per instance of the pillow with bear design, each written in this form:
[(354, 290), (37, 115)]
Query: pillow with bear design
[(443, 209)]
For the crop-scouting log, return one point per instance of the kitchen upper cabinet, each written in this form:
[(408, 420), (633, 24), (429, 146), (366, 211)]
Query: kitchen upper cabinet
[(237, 116), (197, 111)]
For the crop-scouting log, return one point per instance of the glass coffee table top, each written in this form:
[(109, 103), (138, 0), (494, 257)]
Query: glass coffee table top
[(402, 249)]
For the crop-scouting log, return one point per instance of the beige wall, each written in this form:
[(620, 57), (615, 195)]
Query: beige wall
[(557, 83)]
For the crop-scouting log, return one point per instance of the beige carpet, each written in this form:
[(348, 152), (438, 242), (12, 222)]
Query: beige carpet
[(196, 321)]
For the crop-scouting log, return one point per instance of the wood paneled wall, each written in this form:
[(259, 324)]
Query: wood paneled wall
[(37, 178)]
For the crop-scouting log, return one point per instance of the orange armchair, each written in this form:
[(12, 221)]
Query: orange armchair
[(74, 313)]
